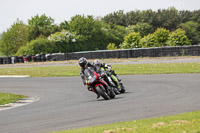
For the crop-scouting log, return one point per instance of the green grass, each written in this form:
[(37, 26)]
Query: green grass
[(127, 69), (162, 68), (9, 98), (180, 123), (42, 71)]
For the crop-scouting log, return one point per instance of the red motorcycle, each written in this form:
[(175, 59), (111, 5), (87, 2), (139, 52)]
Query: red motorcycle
[(98, 85)]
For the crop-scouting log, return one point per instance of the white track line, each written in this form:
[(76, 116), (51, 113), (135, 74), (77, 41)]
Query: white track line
[(19, 103), (14, 76)]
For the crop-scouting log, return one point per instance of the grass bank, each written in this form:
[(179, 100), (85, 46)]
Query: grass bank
[(6, 98), (122, 69), (180, 123)]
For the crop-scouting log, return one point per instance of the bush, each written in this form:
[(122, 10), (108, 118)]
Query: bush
[(38, 46), (111, 46), (178, 38), (148, 41), (161, 36), (132, 40), (64, 41)]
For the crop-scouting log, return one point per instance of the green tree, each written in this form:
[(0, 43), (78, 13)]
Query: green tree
[(147, 16), (41, 26), (185, 16), (161, 36), (171, 18), (89, 31), (178, 38), (14, 38), (82, 25), (64, 25), (118, 18), (133, 17), (143, 28), (114, 33), (192, 31), (132, 40)]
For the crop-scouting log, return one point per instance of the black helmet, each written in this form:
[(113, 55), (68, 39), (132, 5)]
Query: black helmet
[(82, 61)]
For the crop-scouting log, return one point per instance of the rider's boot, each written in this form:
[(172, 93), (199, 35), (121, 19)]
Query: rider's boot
[(98, 96)]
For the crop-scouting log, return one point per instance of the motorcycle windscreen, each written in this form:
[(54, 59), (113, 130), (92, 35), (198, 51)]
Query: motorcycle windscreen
[(89, 73)]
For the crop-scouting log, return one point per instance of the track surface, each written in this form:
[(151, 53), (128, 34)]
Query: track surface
[(65, 103)]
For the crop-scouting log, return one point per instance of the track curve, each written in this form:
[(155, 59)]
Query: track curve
[(65, 103)]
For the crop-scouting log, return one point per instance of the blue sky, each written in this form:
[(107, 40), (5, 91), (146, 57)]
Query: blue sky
[(61, 10)]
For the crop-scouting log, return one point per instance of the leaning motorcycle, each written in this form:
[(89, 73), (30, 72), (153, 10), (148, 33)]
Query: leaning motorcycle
[(119, 85), (98, 85)]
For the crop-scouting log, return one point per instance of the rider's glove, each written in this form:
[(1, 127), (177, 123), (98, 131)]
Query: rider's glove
[(84, 82)]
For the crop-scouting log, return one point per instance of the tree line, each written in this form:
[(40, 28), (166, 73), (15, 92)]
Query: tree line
[(170, 19), (135, 29)]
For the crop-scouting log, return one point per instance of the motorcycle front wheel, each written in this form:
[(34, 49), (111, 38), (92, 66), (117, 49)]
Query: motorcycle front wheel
[(112, 93), (102, 93)]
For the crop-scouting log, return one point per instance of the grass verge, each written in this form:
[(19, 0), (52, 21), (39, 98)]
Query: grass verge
[(6, 98), (180, 123), (122, 69)]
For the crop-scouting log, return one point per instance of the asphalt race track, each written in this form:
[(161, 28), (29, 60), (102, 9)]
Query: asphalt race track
[(65, 103)]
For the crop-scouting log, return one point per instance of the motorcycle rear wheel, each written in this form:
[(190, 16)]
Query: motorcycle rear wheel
[(122, 89)]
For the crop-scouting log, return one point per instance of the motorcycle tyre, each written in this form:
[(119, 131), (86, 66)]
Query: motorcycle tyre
[(102, 93), (122, 89), (116, 91), (112, 93)]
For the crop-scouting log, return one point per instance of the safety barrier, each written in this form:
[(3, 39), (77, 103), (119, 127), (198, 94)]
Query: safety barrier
[(134, 53), (193, 50)]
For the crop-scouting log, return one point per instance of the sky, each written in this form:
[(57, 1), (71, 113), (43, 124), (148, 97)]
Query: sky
[(60, 10)]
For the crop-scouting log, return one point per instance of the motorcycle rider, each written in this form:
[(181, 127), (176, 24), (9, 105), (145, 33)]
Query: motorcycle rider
[(84, 64), (105, 66)]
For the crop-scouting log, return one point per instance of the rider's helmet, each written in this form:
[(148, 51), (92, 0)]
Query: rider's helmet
[(82, 61), (97, 62)]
